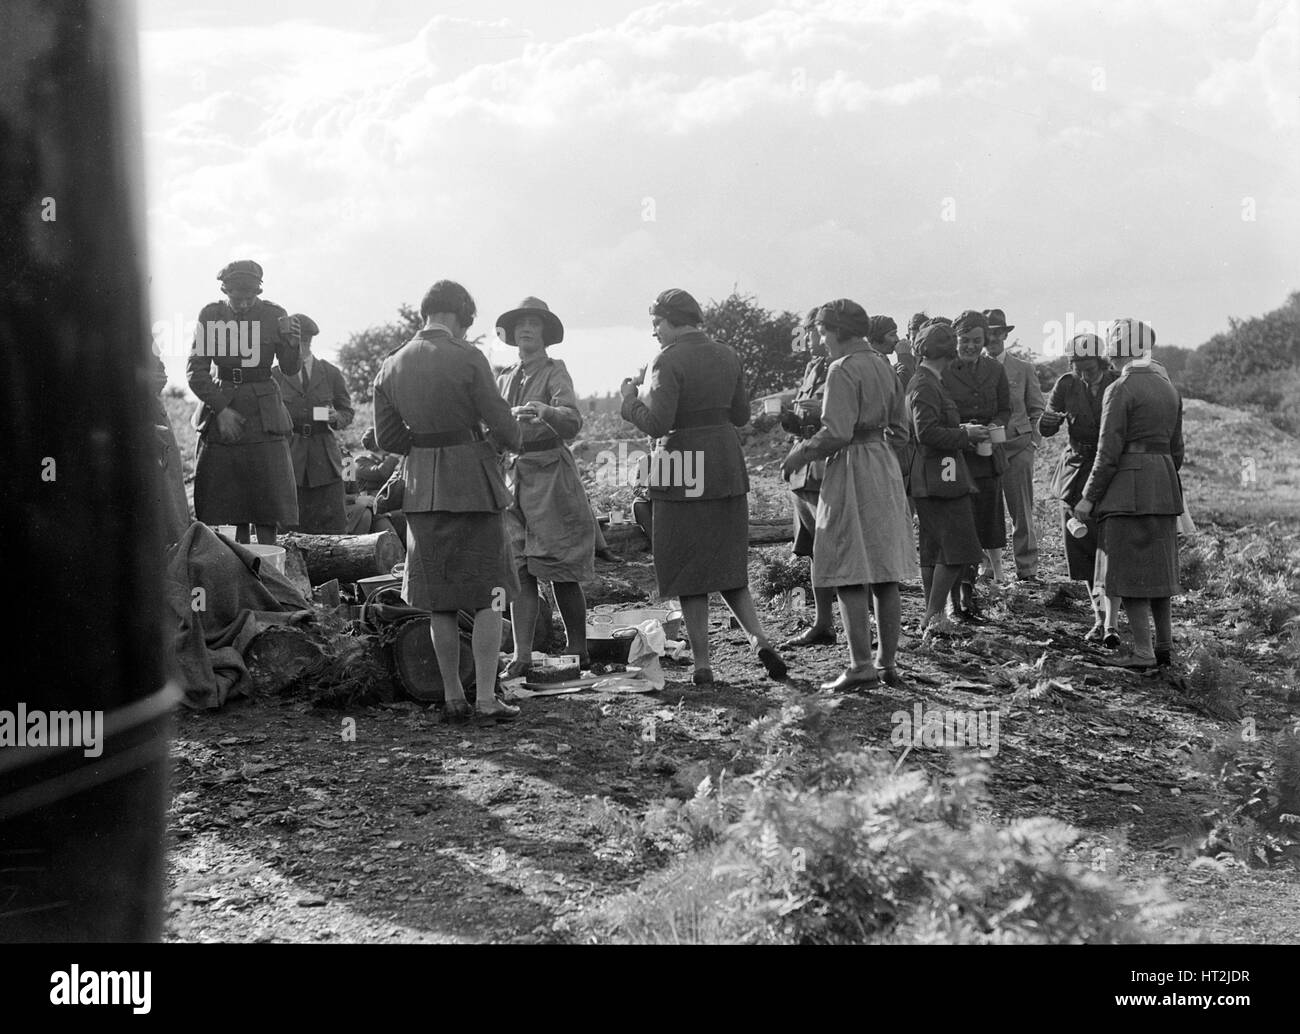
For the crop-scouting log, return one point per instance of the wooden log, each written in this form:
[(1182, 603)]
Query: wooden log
[(625, 539), (278, 656), (763, 532), (346, 557)]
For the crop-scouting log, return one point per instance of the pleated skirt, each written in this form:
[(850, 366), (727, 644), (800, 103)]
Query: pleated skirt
[(458, 561), (948, 535), (1138, 556), (701, 545), (245, 483)]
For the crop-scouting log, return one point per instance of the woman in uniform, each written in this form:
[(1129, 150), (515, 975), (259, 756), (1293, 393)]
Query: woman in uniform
[(432, 397), (979, 387), (939, 481), (243, 471), (317, 461), (1135, 493), (863, 545), (1076, 401), (551, 526), (699, 485), (805, 482)]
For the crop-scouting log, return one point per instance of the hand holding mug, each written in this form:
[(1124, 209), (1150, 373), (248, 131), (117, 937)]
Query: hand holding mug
[(976, 432)]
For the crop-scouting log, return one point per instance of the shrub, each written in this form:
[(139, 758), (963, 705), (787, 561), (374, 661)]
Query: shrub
[(834, 845)]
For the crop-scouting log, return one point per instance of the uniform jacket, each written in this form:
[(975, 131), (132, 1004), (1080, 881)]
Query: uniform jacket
[(316, 457), (692, 375), (982, 394), (373, 469), (559, 527), (864, 395), (1026, 403), (941, 440), (811, 389), (437, 383), (260, 404), (1082, 411), (1141, 406)]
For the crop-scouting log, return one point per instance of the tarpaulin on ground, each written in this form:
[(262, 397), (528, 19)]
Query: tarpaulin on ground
[(218, 598)]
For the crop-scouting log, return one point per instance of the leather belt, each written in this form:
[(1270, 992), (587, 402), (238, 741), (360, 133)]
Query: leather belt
[(307, 430), (868, 434), (1150, 448), (541, 444), (445, 439), (702, 418), (242, 375)]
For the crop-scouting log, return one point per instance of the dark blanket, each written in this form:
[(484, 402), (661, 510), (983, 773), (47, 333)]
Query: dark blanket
[(218, 598)]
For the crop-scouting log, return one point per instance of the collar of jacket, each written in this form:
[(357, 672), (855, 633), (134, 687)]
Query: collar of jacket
[(1000, 358), (439, 332), (858, 345), (960, 365), (689, 337)]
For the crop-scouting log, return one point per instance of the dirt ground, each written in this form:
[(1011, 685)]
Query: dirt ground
[(282, 829)]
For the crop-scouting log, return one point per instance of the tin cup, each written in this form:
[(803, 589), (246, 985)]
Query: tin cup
[(984, 449), (285, 323), (771, 407), (997, 434)]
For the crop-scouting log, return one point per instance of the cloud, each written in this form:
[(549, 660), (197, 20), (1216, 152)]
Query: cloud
[(799, 151)]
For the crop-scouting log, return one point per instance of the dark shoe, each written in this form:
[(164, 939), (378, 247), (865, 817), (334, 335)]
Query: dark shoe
[(1029, 579), (1163, 658), (1133, 663), (772, 661), (608, 555), (516, 668), (456, 713), (970, 615), (1111, 640), (810, 637), (703, 677), (853, 681), (890, 677)]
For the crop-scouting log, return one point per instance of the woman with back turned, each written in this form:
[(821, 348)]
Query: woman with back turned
[(699, 485), (432, 397), (1135, 494)]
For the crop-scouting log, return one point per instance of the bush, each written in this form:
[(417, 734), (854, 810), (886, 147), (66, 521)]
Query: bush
[(834, 845)]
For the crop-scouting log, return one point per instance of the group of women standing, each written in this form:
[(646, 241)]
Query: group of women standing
[(1117, 481)]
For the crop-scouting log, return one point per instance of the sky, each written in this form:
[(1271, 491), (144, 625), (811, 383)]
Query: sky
[(1065, 163)]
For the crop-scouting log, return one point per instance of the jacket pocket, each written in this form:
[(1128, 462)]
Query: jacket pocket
[(275, 418)]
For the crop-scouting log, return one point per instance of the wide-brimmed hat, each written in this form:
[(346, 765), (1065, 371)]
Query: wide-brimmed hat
[(552, 328), (997, 320)]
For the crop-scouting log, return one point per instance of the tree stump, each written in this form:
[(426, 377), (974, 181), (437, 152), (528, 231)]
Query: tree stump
[(346, 557)]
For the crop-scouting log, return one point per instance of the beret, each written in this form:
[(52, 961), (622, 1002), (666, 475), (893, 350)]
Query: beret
[(846, 315), (241, 269), (676, 302), (306, 324), (938, 319), (936, 341), (970, 319), (1136, 336), (916, 323), (1086, 346), (881, 328)]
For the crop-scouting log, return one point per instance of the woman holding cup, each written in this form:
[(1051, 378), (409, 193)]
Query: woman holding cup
[(1076, 402), (243, 470), (978, 386), (939, 480)]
